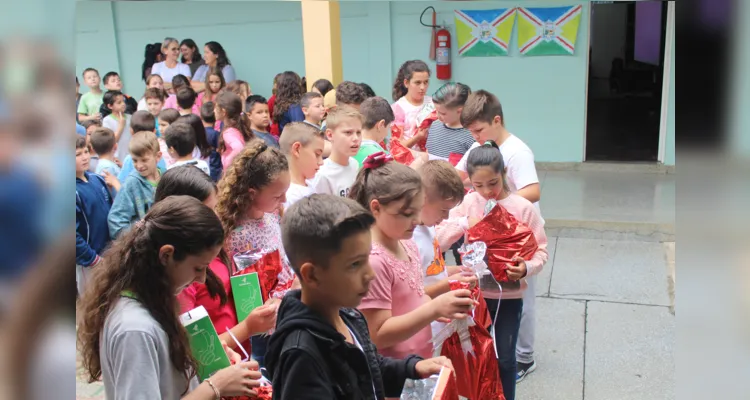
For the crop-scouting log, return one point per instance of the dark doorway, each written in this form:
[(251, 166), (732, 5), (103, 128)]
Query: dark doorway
[(626, 70)]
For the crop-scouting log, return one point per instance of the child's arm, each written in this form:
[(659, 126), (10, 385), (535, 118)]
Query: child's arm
[(122, 213), (120, 126), (418, 135), (453, 228), (85, 255), (521, 170), (396, 372), (233, 141), (534, 221)]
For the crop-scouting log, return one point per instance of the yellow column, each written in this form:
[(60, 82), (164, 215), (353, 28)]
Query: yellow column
[(321, 30)]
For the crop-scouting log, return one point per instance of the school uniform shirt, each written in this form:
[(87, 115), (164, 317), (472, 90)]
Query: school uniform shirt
[(200, 164), (519, 163), (134, 353), (167, 74), (366, 148), (443, 140), (111, 122), (295, 193), (293, 114), (90, 103), (334, 178), (267, 137), (433, 264)]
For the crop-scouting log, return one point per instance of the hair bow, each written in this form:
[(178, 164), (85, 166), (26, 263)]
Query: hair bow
[(376, 160)]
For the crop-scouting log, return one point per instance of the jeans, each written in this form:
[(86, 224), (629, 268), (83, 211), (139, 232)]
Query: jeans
[(506, 321), (527, 330)]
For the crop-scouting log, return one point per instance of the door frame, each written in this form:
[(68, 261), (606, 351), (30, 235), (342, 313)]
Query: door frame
[(666, 84)]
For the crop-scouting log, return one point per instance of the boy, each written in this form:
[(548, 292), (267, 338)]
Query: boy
[(186, 100), (260, 120), (483, 117), (344, 131), (180, 139), (350, 94), (93, 203), (113, 82), (118, 121), (104, 144), (137, 193), (88, 106), (378, 116), (214, 159), (142, 121), (303, 145), (312, 107), (154, 100), (321, 348)]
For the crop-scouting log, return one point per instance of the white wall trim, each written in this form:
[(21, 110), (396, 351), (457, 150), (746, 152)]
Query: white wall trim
[(666, 84)]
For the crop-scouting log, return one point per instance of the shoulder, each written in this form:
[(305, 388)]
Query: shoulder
[(128, 316), (353, 165), (513, 145)]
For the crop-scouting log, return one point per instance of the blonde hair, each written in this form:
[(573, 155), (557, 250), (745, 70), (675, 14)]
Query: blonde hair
[(340, 114), (142, 143), (295, 132)]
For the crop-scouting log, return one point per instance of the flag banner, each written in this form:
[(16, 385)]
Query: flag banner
[(484, 33), (548, 31)]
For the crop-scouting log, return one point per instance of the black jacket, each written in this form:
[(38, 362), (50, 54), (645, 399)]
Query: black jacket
[(308, 359)]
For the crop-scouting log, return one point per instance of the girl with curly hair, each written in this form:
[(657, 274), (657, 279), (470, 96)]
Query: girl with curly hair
[(410, 96), (286, 109)]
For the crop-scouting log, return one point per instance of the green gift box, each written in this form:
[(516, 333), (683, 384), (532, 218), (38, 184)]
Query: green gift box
[(204, 342), (247, 294)]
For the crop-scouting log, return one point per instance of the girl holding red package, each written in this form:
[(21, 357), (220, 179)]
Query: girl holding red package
[(486, 172), (397, 309), (410, 96), (215, 295)]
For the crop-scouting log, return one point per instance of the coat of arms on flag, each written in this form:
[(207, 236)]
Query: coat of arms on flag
[(483, 33), (548, 31)]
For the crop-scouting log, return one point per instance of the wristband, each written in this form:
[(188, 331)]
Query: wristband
[(215, 389)]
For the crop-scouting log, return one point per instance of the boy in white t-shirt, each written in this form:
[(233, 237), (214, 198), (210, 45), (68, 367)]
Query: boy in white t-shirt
[(483, 117), (344, 131), (303, 145), (180, 140)]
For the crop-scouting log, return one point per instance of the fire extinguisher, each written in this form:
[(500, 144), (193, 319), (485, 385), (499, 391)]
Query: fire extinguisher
[(440, 46)]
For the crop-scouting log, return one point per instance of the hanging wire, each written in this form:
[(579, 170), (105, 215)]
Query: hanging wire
[(422, 16)]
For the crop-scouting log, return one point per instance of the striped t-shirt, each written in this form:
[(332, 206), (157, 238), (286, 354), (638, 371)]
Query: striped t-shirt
[(442, 140)]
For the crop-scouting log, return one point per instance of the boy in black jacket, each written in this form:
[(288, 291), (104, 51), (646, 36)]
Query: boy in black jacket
[(321, 348)]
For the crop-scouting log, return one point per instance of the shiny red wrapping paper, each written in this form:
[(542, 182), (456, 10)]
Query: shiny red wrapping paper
[(425, 124), (400, 153), (477, 375), (481, 313), (455, 158), (447, 388), (264, 393), (268, 269), (505, 237)]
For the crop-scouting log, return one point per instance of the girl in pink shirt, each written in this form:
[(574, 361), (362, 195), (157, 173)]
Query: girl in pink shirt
[(487, 175), (214, 84), (396, 307), (236, 127), (409, 95)]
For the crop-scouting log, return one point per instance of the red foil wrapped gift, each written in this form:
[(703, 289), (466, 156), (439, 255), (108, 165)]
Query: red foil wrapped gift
[(400, 153), (447, 387), (264, 393), (425, 123), (268, 269), (505, 237)]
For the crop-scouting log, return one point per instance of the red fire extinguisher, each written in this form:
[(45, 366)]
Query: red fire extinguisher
[(440, 46)]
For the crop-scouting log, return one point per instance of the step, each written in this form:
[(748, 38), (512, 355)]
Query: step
[(610, 230)]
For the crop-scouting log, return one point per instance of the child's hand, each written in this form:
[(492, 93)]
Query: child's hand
[(234, 357), (466, 277), (421, 133), (111, 181), (432, 366), (238, 380), (454, 304), (261, 319), (118, 162), (518, 271), (95, 117), (121, 119)]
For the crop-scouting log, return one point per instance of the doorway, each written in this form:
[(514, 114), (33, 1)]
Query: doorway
[(626, 72)]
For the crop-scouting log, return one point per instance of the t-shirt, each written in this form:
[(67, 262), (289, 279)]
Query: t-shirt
[(366, 148), (443, 140), (90, 103), (398, 286), (234, 143), (171, 102), (295, 193), (167, 74), (122, 145), (405, 115), (227, 71), (334, 178), (267, 137), (107, 165), (134, 354), (519, 163), (202, 165), (433, 264)]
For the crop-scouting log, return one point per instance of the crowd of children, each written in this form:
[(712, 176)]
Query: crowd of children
[(172, 188)]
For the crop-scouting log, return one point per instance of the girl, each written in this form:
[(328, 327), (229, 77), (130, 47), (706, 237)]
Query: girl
[(171, 66), (214, 56), (396, 307), (272, 103), (448, 140), (287, 108), (487, 175), (214, 83), (130, 320), (250, 195), (153, 81), (191, 55), (202, 149), (152, 56), (242, 89), (409, 91), (322, 86), (178, 82), (236, 128), (216, 293)]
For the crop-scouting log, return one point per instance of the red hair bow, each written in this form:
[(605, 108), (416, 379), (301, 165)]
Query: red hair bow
[(376, 160)]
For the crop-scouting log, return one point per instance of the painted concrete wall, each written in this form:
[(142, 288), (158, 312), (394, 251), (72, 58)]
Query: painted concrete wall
[(669, 152)]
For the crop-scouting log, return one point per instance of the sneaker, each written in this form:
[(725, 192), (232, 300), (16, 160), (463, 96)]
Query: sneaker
[(524, 369)]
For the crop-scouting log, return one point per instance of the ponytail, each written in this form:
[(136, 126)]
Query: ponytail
[(406, 72), (384, 180)]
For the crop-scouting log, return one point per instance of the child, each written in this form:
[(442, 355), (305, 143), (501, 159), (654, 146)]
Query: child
[(118, 121), (241, 89), (78, 98), (93, 203), (321, 348), (137, 193), (250, 195), (287, 108), (312, 107), (322, 86), (447, 138), (378, 116), (103, 142), (350, 94), (180, 140), (396, 307), (257, 114), (113, 82), (214, 84), (144, 121), (178, 82), (154, 99), (202, 149), (186, 101), (409, 94), (344, 131), (131, 322), (167, 116), (303, 146), (152, 82), (236, 131), (486, 171), (88, 106), (212, 137)]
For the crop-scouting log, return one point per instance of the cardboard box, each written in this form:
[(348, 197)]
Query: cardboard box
[(204, 342), (247, 294)]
